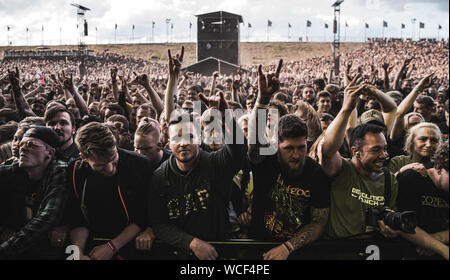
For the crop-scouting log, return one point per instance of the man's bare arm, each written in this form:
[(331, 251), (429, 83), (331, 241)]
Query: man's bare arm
[(311, 231), (334, 136)]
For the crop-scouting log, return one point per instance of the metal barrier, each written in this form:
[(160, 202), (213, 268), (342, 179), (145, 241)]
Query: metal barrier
[(363, 247)]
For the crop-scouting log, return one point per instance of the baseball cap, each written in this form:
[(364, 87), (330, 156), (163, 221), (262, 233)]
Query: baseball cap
[(43, 133), (372, 116)]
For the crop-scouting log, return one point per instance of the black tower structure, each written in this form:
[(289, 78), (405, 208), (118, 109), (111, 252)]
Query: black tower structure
[(218, 36)]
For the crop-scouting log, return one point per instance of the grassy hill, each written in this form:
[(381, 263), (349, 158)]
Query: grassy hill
[(251, 53)]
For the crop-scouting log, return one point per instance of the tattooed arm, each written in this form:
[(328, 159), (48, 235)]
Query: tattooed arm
[(306, 235)]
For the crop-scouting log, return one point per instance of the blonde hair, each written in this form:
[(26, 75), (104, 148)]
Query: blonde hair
[(96, 140), (412, 133), (406, 119)]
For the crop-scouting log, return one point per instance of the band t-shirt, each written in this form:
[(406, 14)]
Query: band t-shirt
[(285, 202), (351, 195), (418, 193)]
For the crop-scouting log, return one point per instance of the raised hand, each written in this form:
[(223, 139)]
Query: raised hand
[(68, 84), (14, 77), (237, 83), (141, 79), (426, 82), (114, 74), (218, 102), (351, 93), (175, 62), (268, 84)]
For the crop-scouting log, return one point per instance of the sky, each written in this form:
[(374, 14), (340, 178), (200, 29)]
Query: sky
[(59, 20)]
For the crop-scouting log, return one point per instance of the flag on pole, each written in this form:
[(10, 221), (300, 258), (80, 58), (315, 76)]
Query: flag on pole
[(439, 26), (289, 25), (385, 24), (421, 25), (115, 26), (308, 23), (367, 25), (326, 25), (346, 25), (190, 25), (153, 24), (8, 28), (269, 23), (27, 29), (133, 26), (42, 28), (171, 25), (403, 26), (249, 25)]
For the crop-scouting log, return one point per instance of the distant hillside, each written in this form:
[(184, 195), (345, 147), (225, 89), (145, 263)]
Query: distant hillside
[(251, 53)]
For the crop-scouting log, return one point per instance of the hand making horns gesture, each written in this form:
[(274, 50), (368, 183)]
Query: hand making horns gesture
[(268, 84), (175, 62)]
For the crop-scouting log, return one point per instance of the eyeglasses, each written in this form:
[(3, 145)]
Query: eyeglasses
[(29, 144)]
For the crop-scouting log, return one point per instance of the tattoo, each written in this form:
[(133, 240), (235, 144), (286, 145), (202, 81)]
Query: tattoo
[(312, 231)]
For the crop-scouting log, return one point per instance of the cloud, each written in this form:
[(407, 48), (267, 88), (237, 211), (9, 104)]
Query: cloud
[(56, 14)]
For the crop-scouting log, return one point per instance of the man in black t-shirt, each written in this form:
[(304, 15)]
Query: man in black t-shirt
[(427, 194), (291, 193)]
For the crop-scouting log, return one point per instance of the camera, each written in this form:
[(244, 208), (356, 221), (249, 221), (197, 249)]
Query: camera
[(405, 221)]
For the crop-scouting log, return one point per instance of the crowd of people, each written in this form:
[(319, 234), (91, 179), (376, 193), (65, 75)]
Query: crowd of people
[(114, 154)]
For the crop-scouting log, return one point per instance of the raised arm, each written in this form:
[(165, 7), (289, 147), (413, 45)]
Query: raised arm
[(81, 104), (406, 104), (144, 81), (115, 87), (334, 136), (385, 67), (400, 73), (213, 83), (237, 83), (388, 105), (21, 104), (174, 71), (268, 84)]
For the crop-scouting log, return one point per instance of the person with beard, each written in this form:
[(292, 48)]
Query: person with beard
[(360, 182), (291, 192), (62, 121), (309, 95)]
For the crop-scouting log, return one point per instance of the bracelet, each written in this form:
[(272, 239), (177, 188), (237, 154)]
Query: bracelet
[(111, 246), (261, 106), (288, 247)]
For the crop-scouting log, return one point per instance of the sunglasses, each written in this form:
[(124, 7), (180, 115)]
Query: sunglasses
[(29, 144)]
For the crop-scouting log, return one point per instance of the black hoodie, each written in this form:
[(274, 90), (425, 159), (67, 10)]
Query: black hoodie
[(194, 204)]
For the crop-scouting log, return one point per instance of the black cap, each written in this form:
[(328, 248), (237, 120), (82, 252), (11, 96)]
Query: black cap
[(45, 134)]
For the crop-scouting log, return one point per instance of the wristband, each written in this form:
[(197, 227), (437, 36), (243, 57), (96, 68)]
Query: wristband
[(288, 247), (111, 246)]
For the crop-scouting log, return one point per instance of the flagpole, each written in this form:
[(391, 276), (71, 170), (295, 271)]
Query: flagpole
[(306, 31)]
